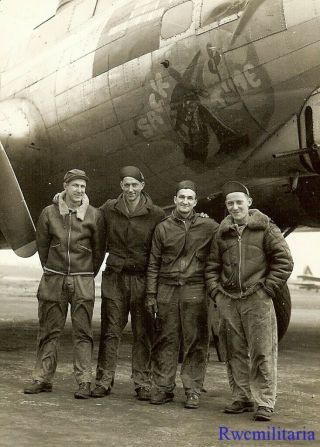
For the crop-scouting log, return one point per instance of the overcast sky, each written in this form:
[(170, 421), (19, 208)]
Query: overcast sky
[(26, 13), (18, 17)]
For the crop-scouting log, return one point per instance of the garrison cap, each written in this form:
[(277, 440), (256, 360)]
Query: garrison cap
[(131, 171), (233, 186), (75, 173), (186, 184)]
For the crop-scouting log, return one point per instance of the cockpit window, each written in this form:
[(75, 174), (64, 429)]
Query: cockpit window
[(217, 11), (259, 21), (131, 32), (176, 20)]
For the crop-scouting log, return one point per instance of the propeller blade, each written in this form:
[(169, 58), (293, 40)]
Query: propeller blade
[(16, 223)]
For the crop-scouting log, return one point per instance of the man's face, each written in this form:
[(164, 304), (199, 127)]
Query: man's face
[(185, 201), (75, 190), (131, 188), (238, 204)]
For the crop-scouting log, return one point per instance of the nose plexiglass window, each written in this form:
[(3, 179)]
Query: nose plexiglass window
[(214, 12), (176, 20)]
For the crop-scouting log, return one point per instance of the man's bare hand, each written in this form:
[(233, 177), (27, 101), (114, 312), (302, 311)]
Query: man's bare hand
[(152, 305)]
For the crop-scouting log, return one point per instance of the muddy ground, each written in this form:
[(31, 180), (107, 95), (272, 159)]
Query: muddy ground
[(57, 419)]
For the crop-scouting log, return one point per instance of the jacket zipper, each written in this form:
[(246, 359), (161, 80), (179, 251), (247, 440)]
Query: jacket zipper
[(185, 239), (69, 237), (240, 255), (184, 244)]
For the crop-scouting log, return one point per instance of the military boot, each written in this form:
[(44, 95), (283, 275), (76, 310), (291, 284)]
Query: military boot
[(37, 387), (100, 391), (192, 401), (143, 394), (160, 397), (83, 392), (239, 406), (263, 414)]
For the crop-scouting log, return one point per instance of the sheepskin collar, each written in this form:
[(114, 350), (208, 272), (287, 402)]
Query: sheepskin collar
[(59, 199), (256, 221)]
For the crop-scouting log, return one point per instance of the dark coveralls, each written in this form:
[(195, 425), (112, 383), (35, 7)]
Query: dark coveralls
[(71, 246), (123, 287), (176, 276)]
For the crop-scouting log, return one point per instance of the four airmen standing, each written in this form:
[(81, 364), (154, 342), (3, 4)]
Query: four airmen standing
[(241, 264)]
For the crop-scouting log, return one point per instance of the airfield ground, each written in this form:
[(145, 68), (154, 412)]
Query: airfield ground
[(57, 419)]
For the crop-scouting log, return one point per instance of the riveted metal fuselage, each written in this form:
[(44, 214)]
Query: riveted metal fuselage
[(212, 102)]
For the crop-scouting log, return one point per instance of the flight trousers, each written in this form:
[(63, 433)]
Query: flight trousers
[(250, 339), (123, 293), (182, 320), (55, 293)]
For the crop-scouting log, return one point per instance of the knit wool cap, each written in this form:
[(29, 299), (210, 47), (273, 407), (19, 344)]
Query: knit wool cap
[(131, 171), (186, 184), (233, 186), (75, 174)]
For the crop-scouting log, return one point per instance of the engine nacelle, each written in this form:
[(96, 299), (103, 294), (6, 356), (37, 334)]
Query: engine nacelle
[(23, 146)]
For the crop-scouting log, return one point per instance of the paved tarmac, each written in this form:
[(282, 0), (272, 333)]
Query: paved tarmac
[(57, 419)]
